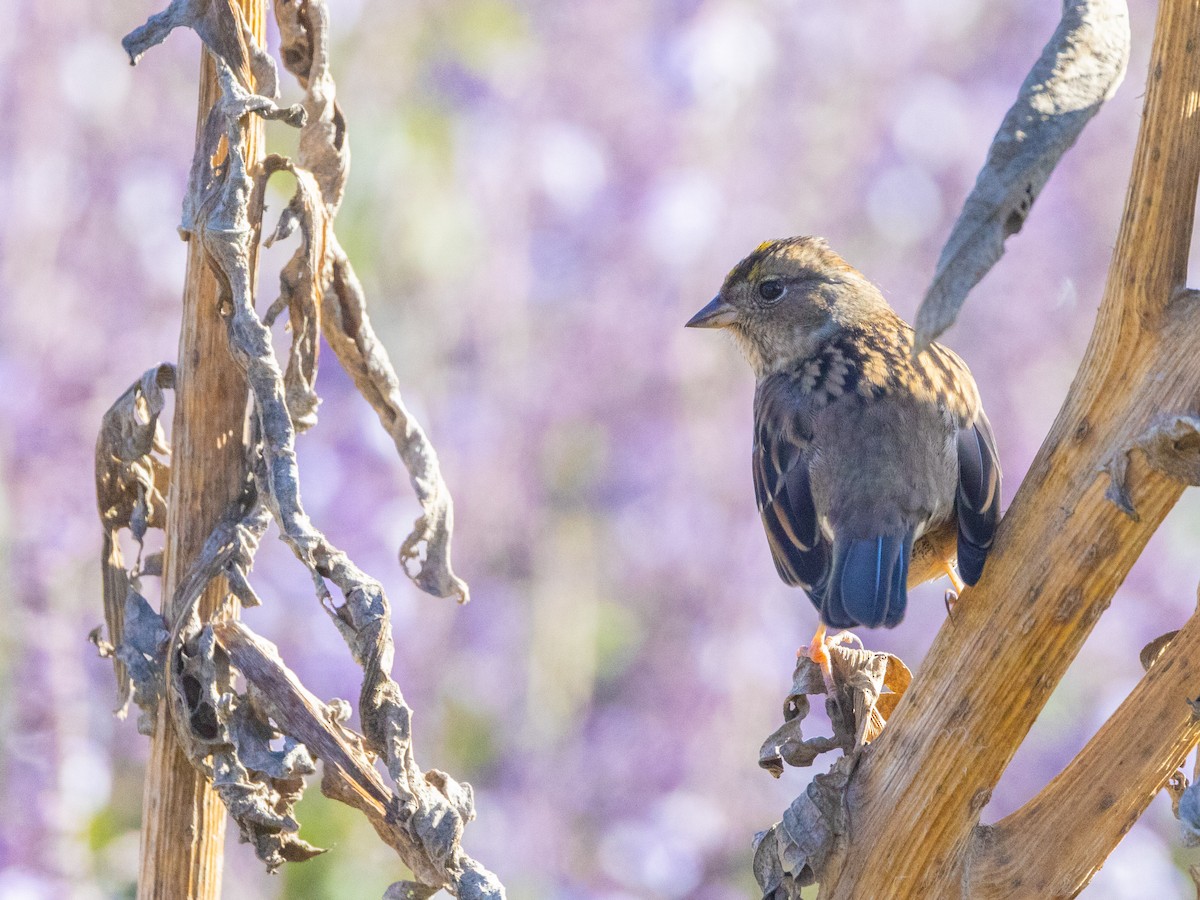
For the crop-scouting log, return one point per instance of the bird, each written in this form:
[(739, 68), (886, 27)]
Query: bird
[(874, 466)]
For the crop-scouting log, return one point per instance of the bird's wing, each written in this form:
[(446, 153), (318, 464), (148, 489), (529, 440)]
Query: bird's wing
[(852, 582), (782, 435), (977, 500)]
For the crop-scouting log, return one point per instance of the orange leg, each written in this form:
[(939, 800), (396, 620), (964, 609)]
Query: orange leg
[(818, 651), (818, 654), (959, 587)]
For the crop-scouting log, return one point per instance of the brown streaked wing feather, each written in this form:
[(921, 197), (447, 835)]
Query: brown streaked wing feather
[(781, 487)]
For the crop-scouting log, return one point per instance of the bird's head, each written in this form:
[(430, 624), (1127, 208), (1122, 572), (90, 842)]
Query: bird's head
[(787, 297)]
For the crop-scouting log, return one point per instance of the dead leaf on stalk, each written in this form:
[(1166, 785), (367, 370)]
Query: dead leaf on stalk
[(231, 736), (132, 471), (300, 283), (219, 24), (324, 140), (1188, 813), (1079, 69), (867, 687), (794, 852), (142, 651), (132, 456), (861, 677)]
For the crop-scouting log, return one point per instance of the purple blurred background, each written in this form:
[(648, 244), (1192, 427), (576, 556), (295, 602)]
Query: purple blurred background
[(541, 194)]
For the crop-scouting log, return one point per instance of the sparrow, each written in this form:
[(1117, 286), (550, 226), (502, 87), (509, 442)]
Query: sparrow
[(873, 467)]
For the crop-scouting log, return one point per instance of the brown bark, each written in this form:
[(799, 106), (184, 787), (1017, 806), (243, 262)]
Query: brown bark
[(1092, 804), (1063, 549), (183, 831)]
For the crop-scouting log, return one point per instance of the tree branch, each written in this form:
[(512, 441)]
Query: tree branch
[(1064, 547), (1053, 845)]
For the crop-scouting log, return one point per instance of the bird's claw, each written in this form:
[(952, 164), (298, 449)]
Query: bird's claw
[(950, 599), (818, 652)]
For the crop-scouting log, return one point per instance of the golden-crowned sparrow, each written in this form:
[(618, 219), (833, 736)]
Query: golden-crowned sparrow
[(868, 462)]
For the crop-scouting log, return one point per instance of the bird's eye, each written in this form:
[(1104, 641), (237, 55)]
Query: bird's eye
[(771, 290)]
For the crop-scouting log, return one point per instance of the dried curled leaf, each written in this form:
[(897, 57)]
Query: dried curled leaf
[(324, 140), (132, 471), (219, 24), (867, 687), (215, 726), (788, 744), (421, 816), (298, 713), (217, 194), (230, 738), (862, 677), (325, 153), (1188, 813), (1171, 445), (132, 457), (795, 851), (1079, 69), (300, 283), (348, 331), (143, 652)]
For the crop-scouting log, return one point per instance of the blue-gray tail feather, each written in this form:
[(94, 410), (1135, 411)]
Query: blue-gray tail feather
[(868, 582)]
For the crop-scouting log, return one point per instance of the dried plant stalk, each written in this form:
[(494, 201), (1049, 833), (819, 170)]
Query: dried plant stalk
[(188, 654), (184, 822)]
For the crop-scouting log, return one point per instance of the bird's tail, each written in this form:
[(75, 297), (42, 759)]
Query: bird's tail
[(868, 582)]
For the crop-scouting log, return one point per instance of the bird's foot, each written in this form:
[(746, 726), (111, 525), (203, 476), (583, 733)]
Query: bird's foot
[(958, 584), (818, 651), (954, 592)]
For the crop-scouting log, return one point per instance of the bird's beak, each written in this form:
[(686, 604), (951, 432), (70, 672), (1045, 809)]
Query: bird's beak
[(718, 314)]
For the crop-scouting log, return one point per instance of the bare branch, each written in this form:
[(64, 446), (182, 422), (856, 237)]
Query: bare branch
[(1096, 799)]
